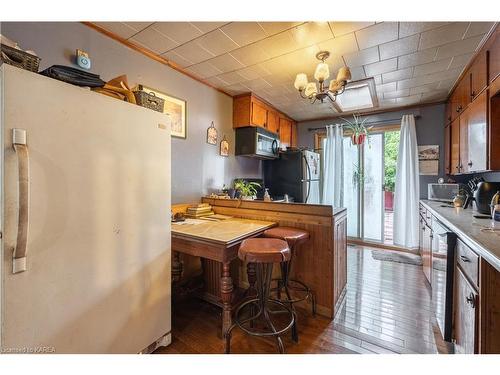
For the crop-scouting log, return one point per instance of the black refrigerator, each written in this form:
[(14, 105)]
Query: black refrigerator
[(296, 173)]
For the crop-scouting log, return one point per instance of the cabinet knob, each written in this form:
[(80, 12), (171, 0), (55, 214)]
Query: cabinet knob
[(473, 93), (471, 300), (469, 164)]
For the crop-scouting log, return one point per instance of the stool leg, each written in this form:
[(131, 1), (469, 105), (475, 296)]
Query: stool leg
[(266, 278), (285, 273)]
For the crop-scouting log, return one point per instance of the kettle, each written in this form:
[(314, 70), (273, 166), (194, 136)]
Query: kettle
[(494, 201), (484, 194)]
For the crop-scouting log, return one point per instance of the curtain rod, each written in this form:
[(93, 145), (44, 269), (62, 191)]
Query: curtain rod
[(380, 122)]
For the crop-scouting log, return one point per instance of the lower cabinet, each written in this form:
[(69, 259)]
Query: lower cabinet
[(466, 315), (426, 249)]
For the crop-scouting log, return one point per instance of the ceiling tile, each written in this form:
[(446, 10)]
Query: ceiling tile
[(417, 58), (377, 34), (244, 33), (231, 78), (192, 51), (461, 60), (216, 81), (446, 84), (433, 67), (366, 56), (123, 29), (311, 33), (272, 28), (226, 63), (424, 89), (254, 72), (429, 78), (396, 94), (180, 32), (257, 84), (154, 40), (478, 28), (387, 87), (381, 67), (216, 42), (409, 99), (342, 28), (251, 54), (340, 46), (179, 60), (279, 44), (204, 70), (442, 35), (399, 47), (235, 89), (458, 48), (387, 102), (411, 28), (397, 75), (357, 73), (434, 95), (206, 27)]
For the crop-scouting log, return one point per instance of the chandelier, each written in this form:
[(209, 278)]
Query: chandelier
[(310, 90)]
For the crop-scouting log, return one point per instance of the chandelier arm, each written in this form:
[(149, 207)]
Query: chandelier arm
[(302, 95), (332, 96)]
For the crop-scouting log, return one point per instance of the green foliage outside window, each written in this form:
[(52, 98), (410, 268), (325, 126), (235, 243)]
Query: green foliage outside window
[(391, 155)]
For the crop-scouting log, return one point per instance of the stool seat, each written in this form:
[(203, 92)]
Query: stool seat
[(292, 236), (264, 250)]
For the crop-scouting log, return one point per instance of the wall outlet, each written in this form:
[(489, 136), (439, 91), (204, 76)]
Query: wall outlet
[(83, 60)]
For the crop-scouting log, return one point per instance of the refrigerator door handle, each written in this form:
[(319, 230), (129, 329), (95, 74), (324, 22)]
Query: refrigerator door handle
[(21, 248), (308, 178)]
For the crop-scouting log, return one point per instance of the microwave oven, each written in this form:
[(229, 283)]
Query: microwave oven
[(256, 142)]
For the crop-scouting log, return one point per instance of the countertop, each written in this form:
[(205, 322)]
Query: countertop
[(468, 229), (223, 231)]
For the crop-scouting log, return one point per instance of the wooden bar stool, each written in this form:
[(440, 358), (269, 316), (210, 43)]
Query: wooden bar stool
[(263, 252), (294, 237)]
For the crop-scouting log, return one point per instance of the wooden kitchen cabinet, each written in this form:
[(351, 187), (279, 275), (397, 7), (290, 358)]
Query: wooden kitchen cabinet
[(285, 131), (478, 75), (466, 315), (493, 47), (477, 134), (447, 149), (273, 121), (426, 250), (463, 152), (249, 110), (455, 146)]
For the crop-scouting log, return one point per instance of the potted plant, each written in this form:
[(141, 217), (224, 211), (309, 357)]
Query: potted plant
[(246, 190), (358, 129)]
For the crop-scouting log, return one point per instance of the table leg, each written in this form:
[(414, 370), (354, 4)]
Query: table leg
[(251, 274), (177, 266), (226, 290)]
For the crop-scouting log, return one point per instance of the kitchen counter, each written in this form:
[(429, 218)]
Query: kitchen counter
[(468, 229)]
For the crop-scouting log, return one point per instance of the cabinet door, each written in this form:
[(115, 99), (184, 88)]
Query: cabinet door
[(447, 149), (285, 131), (478, 75), (455, 146), (426, 252), (273, 121), (465, 324), (448, 112), (294, 134), (259, 114), (464, 142), (477, 134), (340, 258), (494, 56)]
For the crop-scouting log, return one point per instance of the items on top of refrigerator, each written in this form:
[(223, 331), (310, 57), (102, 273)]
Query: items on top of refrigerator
[(73, 76), (12, 54)]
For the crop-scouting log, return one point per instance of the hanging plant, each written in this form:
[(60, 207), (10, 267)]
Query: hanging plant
[(359, 131)]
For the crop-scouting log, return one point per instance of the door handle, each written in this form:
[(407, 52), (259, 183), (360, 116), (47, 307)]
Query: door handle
[(464, 259), (471, 299), (21, 248)]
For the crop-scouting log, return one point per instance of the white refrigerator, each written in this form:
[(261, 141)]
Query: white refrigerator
[(85, 220)]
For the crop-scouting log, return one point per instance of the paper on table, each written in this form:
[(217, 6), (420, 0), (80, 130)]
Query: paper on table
[(189, 221)]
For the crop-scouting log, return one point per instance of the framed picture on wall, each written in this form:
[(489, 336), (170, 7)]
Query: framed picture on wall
[(176, 109)]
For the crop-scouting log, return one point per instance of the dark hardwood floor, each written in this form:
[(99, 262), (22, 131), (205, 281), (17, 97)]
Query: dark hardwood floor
[(387, 309)]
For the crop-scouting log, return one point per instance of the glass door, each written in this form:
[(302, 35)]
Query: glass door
[(351, 186)]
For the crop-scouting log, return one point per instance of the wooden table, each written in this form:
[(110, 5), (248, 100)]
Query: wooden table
[(217, 241)]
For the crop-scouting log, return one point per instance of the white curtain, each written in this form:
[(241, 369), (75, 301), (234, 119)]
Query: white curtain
[(332, 181), (407, 190)]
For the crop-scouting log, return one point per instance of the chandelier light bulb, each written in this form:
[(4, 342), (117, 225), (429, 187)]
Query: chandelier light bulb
[(322, 72), (311, 89), (300, 81), (334, 85), (344, 74)]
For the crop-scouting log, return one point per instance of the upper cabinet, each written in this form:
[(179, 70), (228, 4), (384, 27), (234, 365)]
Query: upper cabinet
[(472, 121), (249, 110)]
